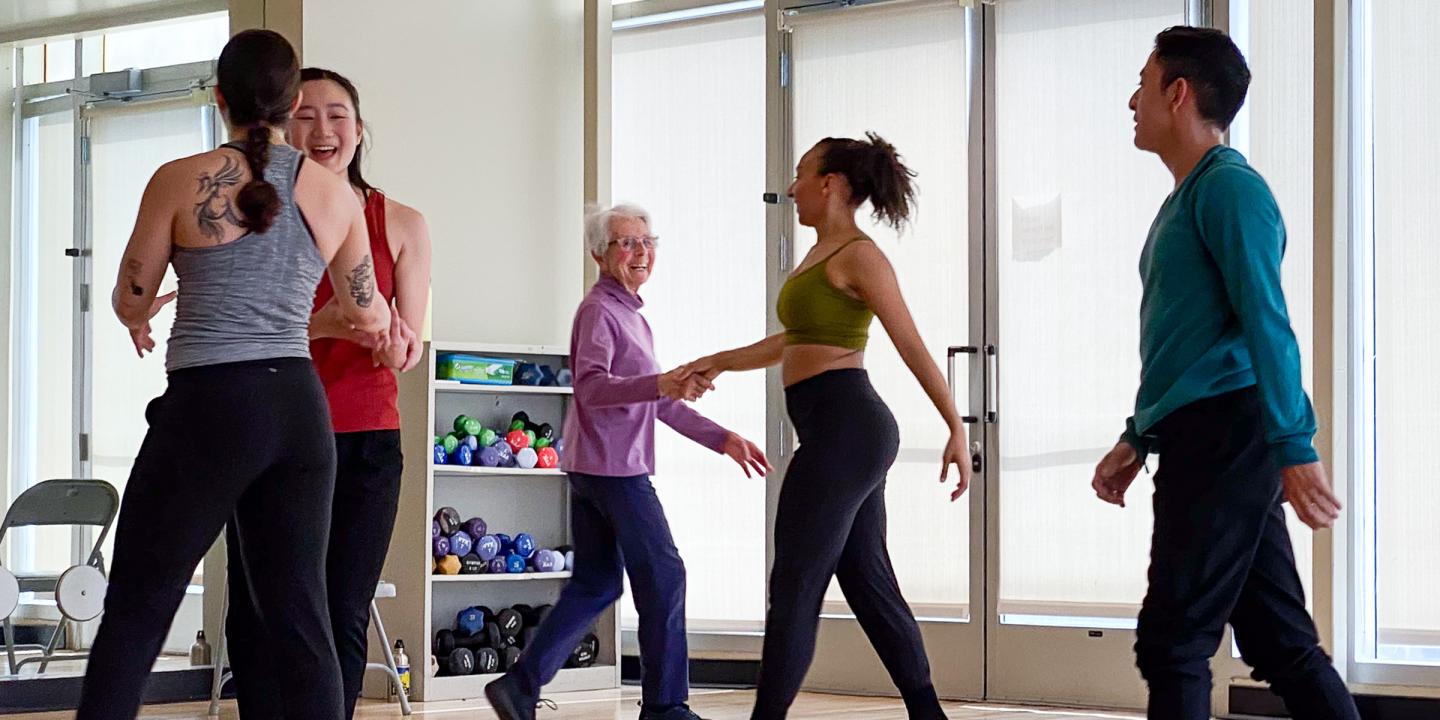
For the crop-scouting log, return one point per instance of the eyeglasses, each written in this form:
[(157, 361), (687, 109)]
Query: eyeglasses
[(630, 243)]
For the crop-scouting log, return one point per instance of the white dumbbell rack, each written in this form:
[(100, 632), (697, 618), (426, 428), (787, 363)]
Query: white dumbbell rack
[(511, 501)]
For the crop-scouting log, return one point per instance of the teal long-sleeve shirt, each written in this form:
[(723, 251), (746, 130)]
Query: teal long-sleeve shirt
[(1213, 317)]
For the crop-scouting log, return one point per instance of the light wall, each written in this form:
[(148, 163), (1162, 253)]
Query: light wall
[(477, 113)]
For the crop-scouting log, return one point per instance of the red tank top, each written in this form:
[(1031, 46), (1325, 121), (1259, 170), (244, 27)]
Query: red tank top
[(362, 396)]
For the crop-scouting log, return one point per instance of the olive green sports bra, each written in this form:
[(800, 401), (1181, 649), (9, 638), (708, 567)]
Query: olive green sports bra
[(814, 312)]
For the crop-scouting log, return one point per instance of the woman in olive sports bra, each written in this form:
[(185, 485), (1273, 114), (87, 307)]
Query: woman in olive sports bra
[(831, 514)]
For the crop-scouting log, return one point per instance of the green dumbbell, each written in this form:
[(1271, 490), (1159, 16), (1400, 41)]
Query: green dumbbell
[(450, 442), (466, 425), (487, 437)]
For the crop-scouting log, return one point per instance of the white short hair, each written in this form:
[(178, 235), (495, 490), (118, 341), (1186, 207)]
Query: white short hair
[(597, 224)]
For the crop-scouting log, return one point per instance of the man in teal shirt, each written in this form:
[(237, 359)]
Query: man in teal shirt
[(1220, 401)]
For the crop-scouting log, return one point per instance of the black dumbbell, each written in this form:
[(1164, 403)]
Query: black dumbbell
[(508, 656), (472, 565), (510, 621), (458, 662), (487, 661), (585, 653), (446, 641)]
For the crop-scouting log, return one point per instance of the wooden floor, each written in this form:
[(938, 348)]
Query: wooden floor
[(620, 705)]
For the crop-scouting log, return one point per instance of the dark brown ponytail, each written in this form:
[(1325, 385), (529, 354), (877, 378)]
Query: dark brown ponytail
[(259, 77), (875, 173)]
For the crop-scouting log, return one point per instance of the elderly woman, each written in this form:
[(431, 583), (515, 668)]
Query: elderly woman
[(616, 519)]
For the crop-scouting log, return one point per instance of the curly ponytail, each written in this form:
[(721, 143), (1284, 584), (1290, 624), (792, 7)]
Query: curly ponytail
[(875, 173), (259, 77)]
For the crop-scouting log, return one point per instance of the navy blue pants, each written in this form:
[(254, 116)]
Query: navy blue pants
[(1219, 554), (617, 525)]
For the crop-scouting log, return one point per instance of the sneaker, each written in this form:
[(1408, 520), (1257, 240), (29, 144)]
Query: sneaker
[(507, 700), (676, 712)]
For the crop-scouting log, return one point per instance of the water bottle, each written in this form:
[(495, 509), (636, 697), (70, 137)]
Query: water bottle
[(402, 667), (200, 651)]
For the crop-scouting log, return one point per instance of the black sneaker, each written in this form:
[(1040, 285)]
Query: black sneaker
[(507, 700), (676, 712)]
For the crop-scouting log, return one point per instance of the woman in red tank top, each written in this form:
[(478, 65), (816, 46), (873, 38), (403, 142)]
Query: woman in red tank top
[(361, 386)]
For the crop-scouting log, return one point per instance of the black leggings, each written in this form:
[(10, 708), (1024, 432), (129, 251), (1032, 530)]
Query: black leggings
[(250, 440), (831, 522), (367, 495)]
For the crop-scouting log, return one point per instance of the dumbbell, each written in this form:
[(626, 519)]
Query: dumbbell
[(474, 527), (447, 641), (487, 661), (524, 545), (459, 662), (519, 420), (508, 656), (511, 622), (472, 565), (466, 425), (585, 653), (449, 565), (514, 563), (449, 519), (547, 561), (487, 547), (470, 621), (461, 543)]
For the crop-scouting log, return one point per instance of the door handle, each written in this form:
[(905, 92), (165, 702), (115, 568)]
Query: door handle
[(950, 354), (992, 382)]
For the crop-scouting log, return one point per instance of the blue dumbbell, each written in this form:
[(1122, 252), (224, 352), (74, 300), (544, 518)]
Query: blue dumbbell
[(514, 563), (440, 457), (524, 545), (487, 547)]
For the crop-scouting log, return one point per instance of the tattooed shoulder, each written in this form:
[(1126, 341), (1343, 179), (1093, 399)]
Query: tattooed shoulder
[(215, 209), (362, 282)]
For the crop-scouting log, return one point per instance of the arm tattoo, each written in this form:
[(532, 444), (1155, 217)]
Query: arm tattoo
[(132, 269), (214, 207), (362, 283)]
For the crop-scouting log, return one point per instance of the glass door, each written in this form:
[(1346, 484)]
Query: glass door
[(848, 70), (1073, 200)]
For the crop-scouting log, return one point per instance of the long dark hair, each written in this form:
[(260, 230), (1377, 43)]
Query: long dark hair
[(259, 77), (353, 170), (875, 173)]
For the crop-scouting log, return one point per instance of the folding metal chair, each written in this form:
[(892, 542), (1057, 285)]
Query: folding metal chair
[(58, 502)]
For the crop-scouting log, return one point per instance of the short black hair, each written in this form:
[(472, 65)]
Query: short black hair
[(1210, 62)]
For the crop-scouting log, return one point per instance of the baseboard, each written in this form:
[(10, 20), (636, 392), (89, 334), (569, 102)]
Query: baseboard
[(36, 694), (704, 673), (1259, 702)]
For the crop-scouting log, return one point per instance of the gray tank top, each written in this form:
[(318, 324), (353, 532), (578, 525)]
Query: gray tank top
[(249, 299)]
